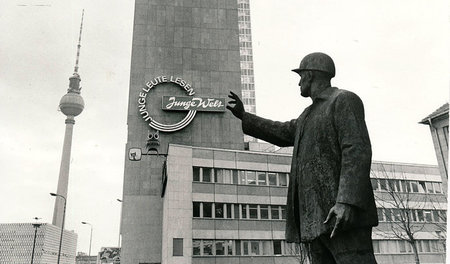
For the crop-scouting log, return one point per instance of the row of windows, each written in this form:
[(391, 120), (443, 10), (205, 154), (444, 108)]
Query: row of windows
[(401, 246), (238, 211), (248, 94), (414, 215), (210, 247), (242, 177), (248, 86), (246, 57), (245, 44), (246, 64), (205, 247), (245, 31), (246, 72), (406, 186), (243, 6), (247, 79), (250, 109), (248, 101)]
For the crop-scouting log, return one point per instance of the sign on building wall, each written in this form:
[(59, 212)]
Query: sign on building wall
[(190, 103)]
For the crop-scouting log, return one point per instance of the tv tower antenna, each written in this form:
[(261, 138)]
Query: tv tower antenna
[(79, 45)]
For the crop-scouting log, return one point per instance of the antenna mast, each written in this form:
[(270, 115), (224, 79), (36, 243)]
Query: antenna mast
[(79, 44)]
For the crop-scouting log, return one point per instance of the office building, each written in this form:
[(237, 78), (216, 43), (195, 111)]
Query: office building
[(16, 244)]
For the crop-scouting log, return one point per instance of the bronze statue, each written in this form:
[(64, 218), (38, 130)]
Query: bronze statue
[(330, 202)]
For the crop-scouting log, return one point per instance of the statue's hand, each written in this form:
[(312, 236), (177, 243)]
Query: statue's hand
[(236, 106), (344, 214)]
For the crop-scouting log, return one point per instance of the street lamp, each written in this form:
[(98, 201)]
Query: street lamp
[(90, 242), (36, 226), (120, 223), (62, 225)]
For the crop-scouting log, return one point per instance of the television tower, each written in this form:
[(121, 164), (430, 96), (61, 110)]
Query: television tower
[(71, 105)]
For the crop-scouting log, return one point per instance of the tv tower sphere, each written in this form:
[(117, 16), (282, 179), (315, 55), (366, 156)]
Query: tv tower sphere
[(72, 104)]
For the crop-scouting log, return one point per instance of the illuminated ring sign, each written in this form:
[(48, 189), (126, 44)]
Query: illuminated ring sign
[(173, 103)]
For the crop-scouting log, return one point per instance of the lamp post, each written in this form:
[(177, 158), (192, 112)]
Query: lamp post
[(90, 241), (120, 223), (62, 226), (36, 226)]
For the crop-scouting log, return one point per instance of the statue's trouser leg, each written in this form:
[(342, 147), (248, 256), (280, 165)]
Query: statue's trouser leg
[(348, 247)]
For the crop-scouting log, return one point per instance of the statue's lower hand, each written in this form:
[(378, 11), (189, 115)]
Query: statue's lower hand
[(236, 106), (344, 214)]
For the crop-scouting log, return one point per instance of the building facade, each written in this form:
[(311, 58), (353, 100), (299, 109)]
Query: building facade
[(228, 206), (16, 244), (438, 122)]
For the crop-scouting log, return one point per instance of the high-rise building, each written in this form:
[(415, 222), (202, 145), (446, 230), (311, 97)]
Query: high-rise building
[(185, 60), (246, 52), (16, 244)]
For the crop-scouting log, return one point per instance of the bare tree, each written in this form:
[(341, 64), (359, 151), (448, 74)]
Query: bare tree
[(298, 251), (403, 203)]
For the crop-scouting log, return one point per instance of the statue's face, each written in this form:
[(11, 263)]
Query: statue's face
[(305, 83)]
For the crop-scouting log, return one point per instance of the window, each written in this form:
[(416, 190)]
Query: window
[(414, 186), (253, 211), (207, 210), (228, 210), (277, 247), (207, 247), (405, 186), (196, 174), (282, 179), (396, 215), (272, 178), (251, 177), (420, 216), (437, 187), (236, 211), (229, 244), (436, 217), (283, 212), (275, 212), (242, 177), (264, 211), (374, 184), (245, 245), (196, 247), (429, 186), (219, 210), (262, 178), (220, 247), (380, 214), (383, 185), (237, 246), (421, 186), (196, 209), (254, 247), (376, 246), (177, 247), (425, 246), (235, 176), (207, 173), (388, 214), (427, 215), (244, 211)]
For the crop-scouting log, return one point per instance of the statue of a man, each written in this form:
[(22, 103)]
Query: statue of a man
[(330, 202)]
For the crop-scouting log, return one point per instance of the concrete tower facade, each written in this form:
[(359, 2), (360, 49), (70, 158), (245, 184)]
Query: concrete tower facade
[(71, 105), (185, 57)]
